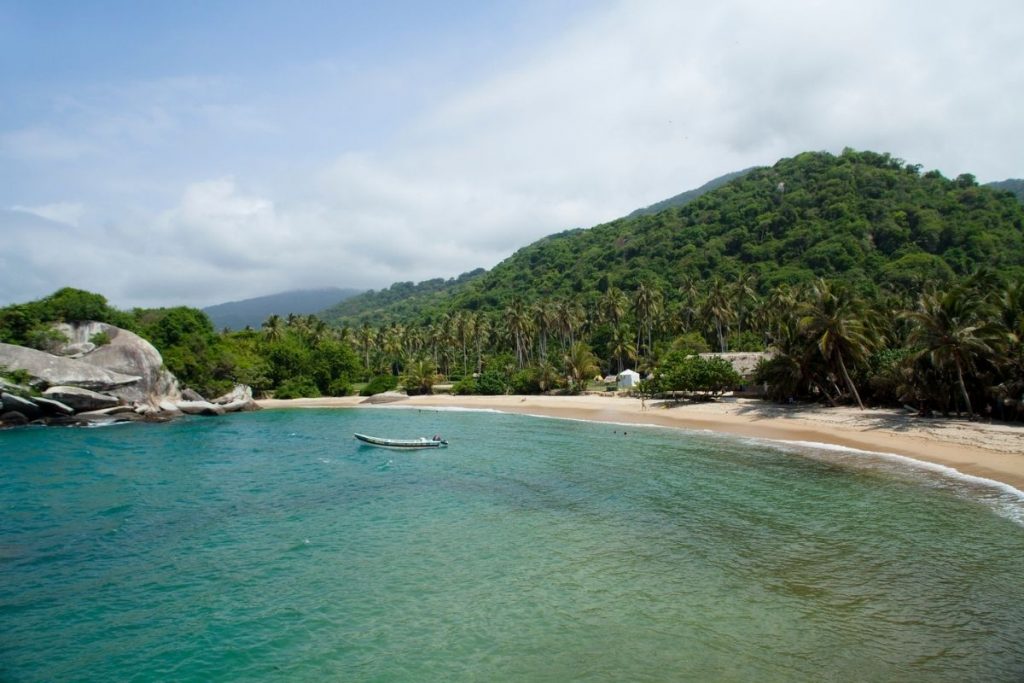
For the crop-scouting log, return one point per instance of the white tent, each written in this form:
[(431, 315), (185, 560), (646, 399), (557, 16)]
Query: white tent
[(628, 379)]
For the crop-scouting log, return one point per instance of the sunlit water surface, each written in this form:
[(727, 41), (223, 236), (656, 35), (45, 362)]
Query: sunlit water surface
[(273, 546)]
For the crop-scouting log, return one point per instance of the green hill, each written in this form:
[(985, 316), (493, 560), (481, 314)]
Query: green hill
[(400, 301), (1014, 185), (684, 198), (862, 217), (865, 218)]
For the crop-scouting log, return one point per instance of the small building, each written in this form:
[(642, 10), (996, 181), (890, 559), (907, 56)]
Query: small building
[(743, 362), (628, 379)]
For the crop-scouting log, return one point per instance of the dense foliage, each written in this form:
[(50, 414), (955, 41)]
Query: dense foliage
[(400, 301), (866, 280), (301, 354)]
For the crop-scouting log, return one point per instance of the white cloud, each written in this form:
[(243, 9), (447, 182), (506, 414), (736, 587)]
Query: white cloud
[(637, 102), (61, 212)]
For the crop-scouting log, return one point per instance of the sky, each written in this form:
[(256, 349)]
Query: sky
[(192, 153)]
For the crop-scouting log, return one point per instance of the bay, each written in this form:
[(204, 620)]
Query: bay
[(273, 546)]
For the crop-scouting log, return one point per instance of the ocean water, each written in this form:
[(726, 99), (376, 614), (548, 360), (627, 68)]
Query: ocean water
[(272, 546)]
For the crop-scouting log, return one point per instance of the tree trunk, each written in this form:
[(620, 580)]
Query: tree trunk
[(963, 388), (849, 382)]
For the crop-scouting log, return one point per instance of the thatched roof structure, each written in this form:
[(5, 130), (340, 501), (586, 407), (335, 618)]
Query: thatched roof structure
[(743, 362)]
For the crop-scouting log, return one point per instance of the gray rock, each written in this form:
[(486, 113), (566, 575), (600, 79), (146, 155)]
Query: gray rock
[(75, 350), (127, 353), (49, 370), (107, 412), (385, 397), (191, 395), (199, 408), (13, 418), (241, 392), (50, 406), (81, 399), (238, 399), (21, 405), (166, 406)]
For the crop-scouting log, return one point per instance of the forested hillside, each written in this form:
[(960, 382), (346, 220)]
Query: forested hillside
[(400, 301), (866, 219), (684, 198), (1014, 185), (867, 280)]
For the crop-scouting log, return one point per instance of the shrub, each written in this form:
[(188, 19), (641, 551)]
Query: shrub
[(379, 384), (491, 383), (297, 387), (464, 387), (100, 339), (340, 387)]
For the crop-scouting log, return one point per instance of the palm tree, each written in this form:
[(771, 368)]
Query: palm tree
[(481, 335), (613, 305), (718, 307), (545, 318), (420, 376), (366, 336), (274, 328), (743, 292), (620, 345), (841, 328), (393, 347), (571, 317), (519, 324), (647, 302), (580, 364), (954, 331)]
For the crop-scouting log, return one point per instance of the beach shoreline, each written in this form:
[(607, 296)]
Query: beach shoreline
[(989, 451)]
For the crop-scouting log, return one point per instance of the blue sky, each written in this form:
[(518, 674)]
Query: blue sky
[(199, 152)]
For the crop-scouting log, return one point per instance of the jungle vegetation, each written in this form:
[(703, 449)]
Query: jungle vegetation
[(869, 281)]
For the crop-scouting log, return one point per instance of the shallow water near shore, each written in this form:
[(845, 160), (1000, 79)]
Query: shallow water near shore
[(273, 546)]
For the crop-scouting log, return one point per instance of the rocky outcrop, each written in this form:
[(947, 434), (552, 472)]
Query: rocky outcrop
[(385, 397), (125, 353), (238, 399), (121, 379), (81, 399), (45, 369)]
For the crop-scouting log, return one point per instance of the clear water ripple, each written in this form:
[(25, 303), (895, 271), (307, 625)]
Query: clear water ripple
[(271, 546)]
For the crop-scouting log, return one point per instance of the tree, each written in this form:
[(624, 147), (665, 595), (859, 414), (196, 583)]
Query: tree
[(718, 308), (420, 377), (620, 345), (520, 326), (954, 331), (273, 328), (580, 365), (840, 327)]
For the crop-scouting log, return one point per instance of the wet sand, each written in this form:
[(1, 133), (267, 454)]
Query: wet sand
[(992, 451)]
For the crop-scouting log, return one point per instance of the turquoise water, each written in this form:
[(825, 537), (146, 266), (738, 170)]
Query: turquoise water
[(272, 546)]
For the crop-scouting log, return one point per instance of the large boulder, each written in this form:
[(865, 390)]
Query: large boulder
[(126, 353), (26, 407), (238, 399), (199, 408), (81, 399), (49, 370), (51, 406)]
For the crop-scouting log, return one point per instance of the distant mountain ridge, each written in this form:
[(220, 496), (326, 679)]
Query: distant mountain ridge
[(684, 198), (236, 315), (1014, 185)]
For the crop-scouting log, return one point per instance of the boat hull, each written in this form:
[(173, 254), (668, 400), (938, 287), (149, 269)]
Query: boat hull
[(401, 444)]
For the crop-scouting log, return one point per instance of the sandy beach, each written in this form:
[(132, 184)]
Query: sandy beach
[(992, 451)]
